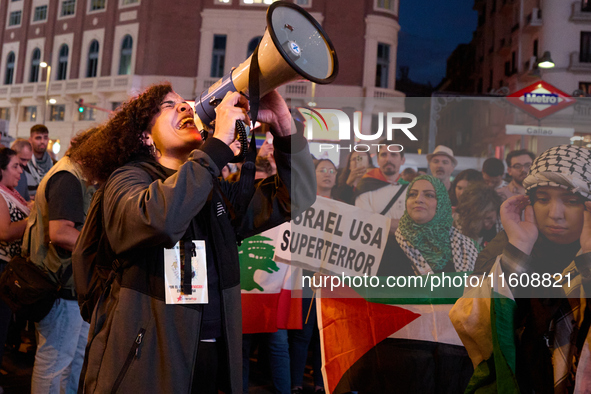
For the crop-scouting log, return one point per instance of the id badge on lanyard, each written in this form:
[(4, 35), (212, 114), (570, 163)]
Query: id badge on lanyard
[(174, 273)]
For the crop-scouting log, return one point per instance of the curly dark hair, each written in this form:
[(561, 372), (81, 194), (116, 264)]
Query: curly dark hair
[(477, 200), (5, 155), (119, 140)]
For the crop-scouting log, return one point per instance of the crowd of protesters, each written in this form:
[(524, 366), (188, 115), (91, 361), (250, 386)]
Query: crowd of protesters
[(163, 184)]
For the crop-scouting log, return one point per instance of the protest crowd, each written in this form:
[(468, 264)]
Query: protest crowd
[(176, 270)]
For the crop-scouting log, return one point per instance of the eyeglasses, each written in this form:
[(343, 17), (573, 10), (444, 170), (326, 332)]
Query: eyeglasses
[(325, 170), (519, 167)]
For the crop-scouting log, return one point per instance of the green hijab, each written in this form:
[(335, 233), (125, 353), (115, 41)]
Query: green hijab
[(432, 238)]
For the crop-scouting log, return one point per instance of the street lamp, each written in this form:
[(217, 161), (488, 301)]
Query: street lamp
[(43, 65), (546, 61)]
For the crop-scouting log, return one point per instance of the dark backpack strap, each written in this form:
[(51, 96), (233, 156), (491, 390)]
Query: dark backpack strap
[(394, 199)]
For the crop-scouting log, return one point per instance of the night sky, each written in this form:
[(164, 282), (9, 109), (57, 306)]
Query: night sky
[(429, 31)]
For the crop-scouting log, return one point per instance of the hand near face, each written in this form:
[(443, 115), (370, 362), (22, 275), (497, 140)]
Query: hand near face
[(521, 234), (232, 108), (355, 175), (274, 111), (586, 233)]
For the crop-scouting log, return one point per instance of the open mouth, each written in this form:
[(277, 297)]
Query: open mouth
[(185, 123)]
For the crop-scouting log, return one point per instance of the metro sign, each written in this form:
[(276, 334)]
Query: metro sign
[(540, 99)]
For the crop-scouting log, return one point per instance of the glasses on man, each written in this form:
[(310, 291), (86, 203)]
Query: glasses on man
[(519, 167), (327, 170)]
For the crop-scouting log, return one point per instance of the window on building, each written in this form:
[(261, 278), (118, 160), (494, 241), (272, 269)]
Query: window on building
[(30, 113), (490, 79), (128, 2), (252, 45), (57, 112), (88, 114), (585, 87), (218, 56), (262, 2), (125, 59), (92, 63), (40, 13), (385, 4), (303, 3), (383, 65), (513, 63), (507, 69), (97, 5), (535, 51), (223, 1), (586, 5), (585, 54), (9, 74), (62, 63), (35, 60), (115, 105), (5, 113), (68, 7), (15, 18), (479, 87)]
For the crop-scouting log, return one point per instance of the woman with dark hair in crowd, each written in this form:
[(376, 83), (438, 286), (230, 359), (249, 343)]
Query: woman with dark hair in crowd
[(477, 214), (13, 221), (162, 191), (326, 176), (461, 182), (358, 163)]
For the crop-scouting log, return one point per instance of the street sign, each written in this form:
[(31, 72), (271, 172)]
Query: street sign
[(512, 129), (540, 99)]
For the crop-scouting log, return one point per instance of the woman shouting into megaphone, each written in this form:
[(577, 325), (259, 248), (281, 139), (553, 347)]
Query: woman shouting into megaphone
[(170, 321)]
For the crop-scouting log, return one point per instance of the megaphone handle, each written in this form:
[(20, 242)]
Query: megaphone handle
[(242, 137)]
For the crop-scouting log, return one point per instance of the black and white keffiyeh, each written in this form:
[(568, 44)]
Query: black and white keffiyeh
[(463, 249), (564, 166)]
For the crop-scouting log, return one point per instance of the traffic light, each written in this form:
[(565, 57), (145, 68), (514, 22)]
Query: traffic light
[(80, 103)]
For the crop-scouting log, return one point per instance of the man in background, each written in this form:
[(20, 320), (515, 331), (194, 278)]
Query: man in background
[(381, 190), (493, 170), (40, 162), (24, 152), (442, 163), (518, 164)]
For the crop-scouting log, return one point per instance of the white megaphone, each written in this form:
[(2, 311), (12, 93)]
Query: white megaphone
[(294, 47)]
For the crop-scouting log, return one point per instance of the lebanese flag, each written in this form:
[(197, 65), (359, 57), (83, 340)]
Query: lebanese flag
[(269, 302), (385, 344)]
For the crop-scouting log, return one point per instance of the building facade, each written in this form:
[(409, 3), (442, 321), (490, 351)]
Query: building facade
[(104, 51), (511, 38)]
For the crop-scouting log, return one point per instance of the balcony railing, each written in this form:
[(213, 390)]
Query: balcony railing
[(533, 20), (580, 63), (72, 86), (579, 14)]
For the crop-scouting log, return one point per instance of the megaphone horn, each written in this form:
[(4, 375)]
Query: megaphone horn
[(294, 47)]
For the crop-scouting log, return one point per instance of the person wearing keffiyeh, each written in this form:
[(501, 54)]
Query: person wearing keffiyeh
[(426, 241), (521, 339)]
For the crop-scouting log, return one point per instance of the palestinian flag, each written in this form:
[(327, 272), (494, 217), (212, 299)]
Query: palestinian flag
[(268, 300), (483, 318), (378, 342)]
